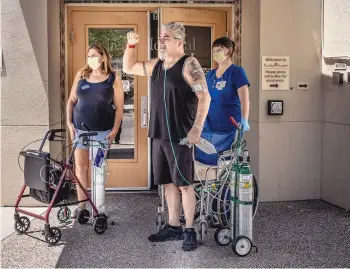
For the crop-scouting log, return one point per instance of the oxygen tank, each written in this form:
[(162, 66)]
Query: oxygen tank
[(97, 181), (233, 205), (244, 207)]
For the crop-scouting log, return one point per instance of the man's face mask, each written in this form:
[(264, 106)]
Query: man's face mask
[(93, 63)]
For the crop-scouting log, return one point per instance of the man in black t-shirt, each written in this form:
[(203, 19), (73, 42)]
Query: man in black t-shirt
[(179, 106)]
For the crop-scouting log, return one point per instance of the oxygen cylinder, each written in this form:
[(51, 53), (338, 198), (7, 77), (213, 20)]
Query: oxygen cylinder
[(233, 205), (97, 181), (244, 207)]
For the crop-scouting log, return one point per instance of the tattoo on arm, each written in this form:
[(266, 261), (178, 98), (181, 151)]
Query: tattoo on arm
[(194, 69), (196, 75), (144, 68)]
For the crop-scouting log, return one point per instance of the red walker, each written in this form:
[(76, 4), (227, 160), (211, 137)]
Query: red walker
[(39, 169)]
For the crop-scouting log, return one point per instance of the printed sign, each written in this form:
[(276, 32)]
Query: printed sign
[(340, 66), (275, 73), (100, 157), (126, 85)]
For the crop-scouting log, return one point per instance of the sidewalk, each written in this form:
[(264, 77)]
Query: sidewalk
[(7, 221), (288, 234)]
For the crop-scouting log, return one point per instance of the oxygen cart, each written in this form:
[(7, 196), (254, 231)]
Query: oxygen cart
[(237, 216), (50, 182)]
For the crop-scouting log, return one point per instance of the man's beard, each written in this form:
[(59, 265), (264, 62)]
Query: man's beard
[(162, 51)]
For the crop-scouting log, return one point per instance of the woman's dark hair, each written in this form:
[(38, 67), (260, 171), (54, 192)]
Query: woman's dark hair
[(225, 42)]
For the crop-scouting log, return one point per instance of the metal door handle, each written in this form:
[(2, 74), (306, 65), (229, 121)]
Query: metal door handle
[(144, 111)]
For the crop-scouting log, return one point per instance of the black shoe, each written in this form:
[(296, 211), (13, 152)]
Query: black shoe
[(190, 241), (169, 233)]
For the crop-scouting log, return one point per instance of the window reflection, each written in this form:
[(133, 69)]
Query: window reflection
[(115, 41)]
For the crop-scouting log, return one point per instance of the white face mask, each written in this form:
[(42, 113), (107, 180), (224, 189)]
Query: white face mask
[(93, 63)]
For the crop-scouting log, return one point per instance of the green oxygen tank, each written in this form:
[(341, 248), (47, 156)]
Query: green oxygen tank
[(233, 198), (244, 195)]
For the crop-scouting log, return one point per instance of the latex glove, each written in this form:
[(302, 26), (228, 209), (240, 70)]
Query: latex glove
[(245, 125)]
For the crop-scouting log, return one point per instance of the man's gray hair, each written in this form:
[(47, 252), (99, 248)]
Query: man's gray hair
[(176, 28)]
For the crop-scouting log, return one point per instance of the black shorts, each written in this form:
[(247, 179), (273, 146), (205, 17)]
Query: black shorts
[(165, 170)]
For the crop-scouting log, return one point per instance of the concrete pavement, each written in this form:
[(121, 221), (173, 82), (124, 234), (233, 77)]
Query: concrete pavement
[(288, 234)]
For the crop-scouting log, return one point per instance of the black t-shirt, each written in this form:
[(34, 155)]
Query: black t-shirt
[(95, 105), (181, 102)]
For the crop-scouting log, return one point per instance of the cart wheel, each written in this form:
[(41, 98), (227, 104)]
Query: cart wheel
[(83, 216), (53, 236), (203, 230), (22, 224), (63, 214), (242, 246), (160, 223), (100, 223), (222, 236)]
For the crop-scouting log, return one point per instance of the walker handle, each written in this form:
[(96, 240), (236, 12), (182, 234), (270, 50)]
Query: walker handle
[(234, 122), (85, 127), (53, 134)]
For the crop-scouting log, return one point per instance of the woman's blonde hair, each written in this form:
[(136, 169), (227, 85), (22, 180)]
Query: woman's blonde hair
[(106, 63)]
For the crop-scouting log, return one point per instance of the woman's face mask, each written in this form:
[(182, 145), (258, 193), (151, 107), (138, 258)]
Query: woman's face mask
[(219, 56), (94, 63)]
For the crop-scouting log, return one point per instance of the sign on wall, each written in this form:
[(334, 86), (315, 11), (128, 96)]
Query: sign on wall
[(275, 73), (126, 85)]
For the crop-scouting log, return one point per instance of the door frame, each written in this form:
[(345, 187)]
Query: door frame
[(66, 46)]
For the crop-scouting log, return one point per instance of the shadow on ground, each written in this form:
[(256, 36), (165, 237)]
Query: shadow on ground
[(288, 234)]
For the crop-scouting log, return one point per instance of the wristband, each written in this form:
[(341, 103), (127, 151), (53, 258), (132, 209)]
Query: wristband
[(131, 46)]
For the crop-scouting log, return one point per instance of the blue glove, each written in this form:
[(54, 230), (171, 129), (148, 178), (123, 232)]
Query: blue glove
[(245, 125)]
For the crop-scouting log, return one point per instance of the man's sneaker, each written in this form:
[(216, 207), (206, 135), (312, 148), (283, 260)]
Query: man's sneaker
[(169, 233), (190, 241)]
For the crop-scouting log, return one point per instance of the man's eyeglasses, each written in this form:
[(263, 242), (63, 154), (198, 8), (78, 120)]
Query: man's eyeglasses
[(167, 38)]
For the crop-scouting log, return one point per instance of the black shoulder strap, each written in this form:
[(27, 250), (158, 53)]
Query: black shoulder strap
[(159, 63), (111, 77), (183, 59), (157, 67)]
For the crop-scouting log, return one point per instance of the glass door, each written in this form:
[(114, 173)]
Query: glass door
[(202, 28), (128, 156)]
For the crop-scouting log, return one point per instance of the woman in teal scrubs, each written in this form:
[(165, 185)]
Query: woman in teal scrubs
[(228, 88)]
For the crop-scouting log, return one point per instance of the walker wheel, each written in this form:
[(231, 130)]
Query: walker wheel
[(63, 214), (83, 216), (53, 236), (100, 223), (222, 236), (203, 230), (242, 246), (22, 224)]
